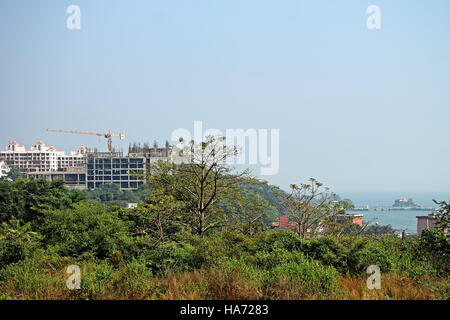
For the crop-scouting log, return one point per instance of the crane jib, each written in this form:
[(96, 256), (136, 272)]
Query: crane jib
[(108, 135)]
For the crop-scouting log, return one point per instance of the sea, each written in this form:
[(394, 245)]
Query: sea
[(398, 219)]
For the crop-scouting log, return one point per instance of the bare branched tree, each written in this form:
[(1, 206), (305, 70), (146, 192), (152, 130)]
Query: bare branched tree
[(309, 207)]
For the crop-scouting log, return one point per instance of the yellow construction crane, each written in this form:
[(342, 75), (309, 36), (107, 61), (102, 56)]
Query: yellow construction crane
[(107, 135)]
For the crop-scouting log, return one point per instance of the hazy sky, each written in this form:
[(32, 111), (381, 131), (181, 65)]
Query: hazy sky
[(360, 110)]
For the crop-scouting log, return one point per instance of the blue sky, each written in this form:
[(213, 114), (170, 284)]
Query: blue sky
[(360, 110)]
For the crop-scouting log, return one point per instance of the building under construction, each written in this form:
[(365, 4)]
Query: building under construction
[(112, 167), (86, 169)]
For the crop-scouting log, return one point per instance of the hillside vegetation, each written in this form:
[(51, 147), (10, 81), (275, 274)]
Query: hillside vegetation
[(203, 232)]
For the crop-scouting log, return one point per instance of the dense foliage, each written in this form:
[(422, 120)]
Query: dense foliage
[(142, 253), (27, 200), (111, 194)]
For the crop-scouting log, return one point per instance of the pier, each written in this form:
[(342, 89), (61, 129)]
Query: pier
[(390, 208)]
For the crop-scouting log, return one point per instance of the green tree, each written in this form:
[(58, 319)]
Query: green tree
[(435, 246), (105, 193), (378, 231), (201, 180), (157, 216), (443, 215), (13, 174), (27, 199), (252, 211)]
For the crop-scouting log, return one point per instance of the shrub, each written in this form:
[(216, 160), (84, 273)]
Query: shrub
[(38, 276), (435, 246), (96, 281), (169, 257), (366, 252), (309, 277), (86, 227), (266, 241), (16, 242)]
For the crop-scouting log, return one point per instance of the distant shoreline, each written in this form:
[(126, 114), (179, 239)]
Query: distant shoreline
[(395, 209)]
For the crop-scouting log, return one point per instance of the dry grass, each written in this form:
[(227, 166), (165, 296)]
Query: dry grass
[(215, 284), (393, 287)]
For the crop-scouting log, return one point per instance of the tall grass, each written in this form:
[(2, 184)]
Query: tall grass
[(228, 265), (233, 279)]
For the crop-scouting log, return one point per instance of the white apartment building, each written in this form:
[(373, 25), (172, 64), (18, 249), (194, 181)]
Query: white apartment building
[(3, 169), (75, 159), (40, 157)]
